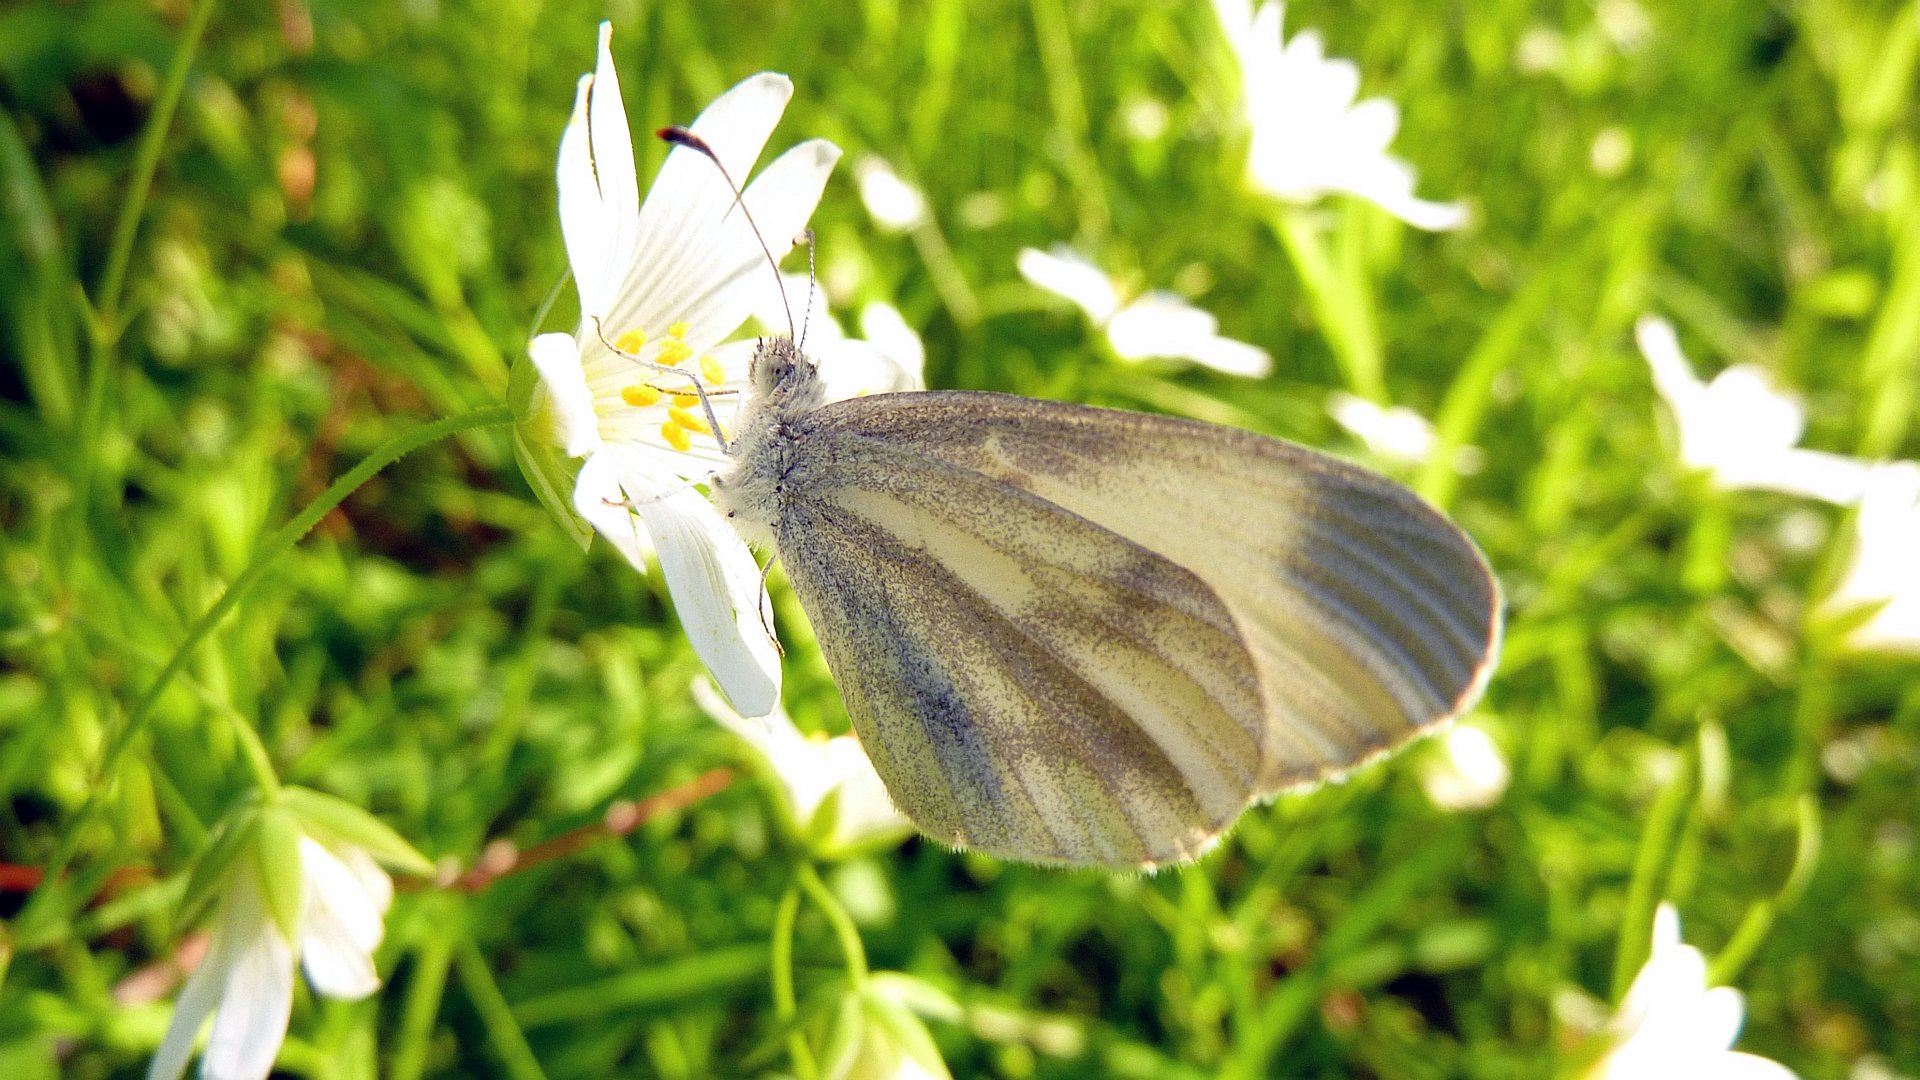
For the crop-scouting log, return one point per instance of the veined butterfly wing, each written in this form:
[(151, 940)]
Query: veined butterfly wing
[(1084, 636)]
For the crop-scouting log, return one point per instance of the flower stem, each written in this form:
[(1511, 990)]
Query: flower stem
[(1340, 305), (278, 544), (856, 954), (785, 1004)]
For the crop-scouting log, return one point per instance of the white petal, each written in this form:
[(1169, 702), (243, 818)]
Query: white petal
[(1387, 182), (584, 224), (894, 204), (598, 497), (709, 282), (1371, 125), (865, 809), (201, 994), (563, 400), (883, 325), (711, 574), (1716, 1017), (854, 368), (341, 927), (1161, 324), (1750, 1067), (1396, 432), (255, 1003), (1158, 324), (1673, 376), (1815, 474), (683, 215), (613, 157), (1067, 273)]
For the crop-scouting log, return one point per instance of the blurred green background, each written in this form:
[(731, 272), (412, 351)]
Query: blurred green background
[(352, 225)]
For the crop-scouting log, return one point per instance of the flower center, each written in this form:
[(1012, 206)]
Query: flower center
[(685, 415)]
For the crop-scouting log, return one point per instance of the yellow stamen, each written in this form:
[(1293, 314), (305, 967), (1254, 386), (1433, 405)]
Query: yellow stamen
[(712, 371), (673, 351), (691, 421), (677, 330), (676, 436), (631, 342), (640, 396), (685, 401)]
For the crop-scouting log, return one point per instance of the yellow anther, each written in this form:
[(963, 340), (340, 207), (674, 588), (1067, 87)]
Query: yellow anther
[(689, 420), (685, 401), (631, 342), (677, 330), (673, 351), (711, 370), (676, 436), (640, 396)]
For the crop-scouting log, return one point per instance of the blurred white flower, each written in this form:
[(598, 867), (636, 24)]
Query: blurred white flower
[(245, 980), (1670, 1026), (1740, 429), (1393, 432), (1468, 773), (813, 769), (1158, 325), (1884, 571), (894, 204), (1309, 136), (667, 282)]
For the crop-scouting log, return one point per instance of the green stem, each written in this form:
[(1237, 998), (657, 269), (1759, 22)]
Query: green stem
[(809, 880), (145, 164), (495, 1014), (785, 1003), (1643, 889), (1338, 305), (259, 762), (277, 545)]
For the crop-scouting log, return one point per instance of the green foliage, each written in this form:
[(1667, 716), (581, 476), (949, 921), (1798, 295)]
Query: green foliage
[(350, 234)]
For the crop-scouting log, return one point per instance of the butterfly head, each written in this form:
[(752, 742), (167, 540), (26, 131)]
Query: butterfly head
[(783, 377)]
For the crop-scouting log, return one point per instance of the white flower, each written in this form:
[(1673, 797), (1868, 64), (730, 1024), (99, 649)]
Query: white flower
[(1740, 429), (1309, 137), (1394, 432), (1158, 325), (895, 205), (1469, 772), (1672, 1027), (1884, 571), (812, 768), (667, 282), (245, 980)]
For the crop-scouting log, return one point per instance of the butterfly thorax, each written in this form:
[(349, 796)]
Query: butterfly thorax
[(783, 385)]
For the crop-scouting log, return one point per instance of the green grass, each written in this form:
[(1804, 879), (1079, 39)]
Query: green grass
[(438, 651)]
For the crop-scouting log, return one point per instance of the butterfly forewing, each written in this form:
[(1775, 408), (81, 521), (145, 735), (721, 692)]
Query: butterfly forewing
[(1366, 616), (1027, 682)]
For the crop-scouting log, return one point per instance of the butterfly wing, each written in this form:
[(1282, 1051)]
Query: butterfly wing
[(1026, 682), (1368, 614)]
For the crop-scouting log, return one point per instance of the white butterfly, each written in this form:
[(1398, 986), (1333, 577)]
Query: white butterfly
[(1082, 636)]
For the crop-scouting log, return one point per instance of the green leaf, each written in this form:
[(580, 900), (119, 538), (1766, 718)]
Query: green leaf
[(548, 469), (846, 1040), (282, 881), (336, 819), (231, 836)]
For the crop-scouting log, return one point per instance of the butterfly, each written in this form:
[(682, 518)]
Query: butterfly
[(1086, 636), (1090, 637)]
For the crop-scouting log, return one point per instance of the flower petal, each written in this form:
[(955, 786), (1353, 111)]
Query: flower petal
[(713, 289), (690, 205), (854, 368), (341, 928), (1067, 273), (716, 590), (597, 496), (197, 1000), (255, 1003), (711, 574), (583, 214), (613, 158), (562, 400), (883, 325)]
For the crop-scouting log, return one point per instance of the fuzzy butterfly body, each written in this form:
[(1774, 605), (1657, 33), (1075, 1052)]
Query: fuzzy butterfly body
[(1091, 637)]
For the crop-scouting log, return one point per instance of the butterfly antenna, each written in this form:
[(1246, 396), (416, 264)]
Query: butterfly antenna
[(680, 136), (806, 318)]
